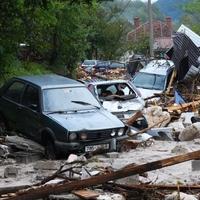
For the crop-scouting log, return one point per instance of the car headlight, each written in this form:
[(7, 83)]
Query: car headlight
[(113, 133), (83, 136), (72, 136), (120, 132)]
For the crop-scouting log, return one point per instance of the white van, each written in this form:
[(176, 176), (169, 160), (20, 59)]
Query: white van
[(154, 77)]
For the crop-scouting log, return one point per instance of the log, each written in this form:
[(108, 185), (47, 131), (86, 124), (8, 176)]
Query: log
[(146, 129), (133, 118), (44, 191)]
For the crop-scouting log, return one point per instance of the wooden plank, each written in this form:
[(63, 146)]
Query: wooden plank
[(46, 190), (86, 194)]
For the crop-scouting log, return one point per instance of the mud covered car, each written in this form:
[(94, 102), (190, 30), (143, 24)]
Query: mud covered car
[(59, 113), (121, 98)]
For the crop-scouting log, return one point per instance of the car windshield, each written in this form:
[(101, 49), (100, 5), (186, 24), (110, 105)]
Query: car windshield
[(89, 62), (68, 99), (149, 81)]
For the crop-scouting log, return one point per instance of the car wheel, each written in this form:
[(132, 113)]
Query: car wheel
[(3, 127), (50, 150)]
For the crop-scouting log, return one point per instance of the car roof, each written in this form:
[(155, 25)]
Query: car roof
[(107, 82), (50, 81), (158, 67)]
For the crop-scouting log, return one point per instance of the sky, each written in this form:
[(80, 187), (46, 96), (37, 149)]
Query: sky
[(152, 1)]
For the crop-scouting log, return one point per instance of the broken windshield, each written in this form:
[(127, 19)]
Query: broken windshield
[(149, 81), (59, 99)]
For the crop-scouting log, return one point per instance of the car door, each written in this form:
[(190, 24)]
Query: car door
[(10, 103), (31, 112)]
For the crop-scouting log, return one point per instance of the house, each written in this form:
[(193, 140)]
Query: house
[(163, 31)]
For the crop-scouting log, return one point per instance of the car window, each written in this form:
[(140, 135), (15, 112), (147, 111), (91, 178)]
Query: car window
[(31, 97), (149, 81), (70, 99), (14, 91)]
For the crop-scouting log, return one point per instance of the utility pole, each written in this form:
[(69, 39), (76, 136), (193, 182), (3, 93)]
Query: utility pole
[(151, 38)]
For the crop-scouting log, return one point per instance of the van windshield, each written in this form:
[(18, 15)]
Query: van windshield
[(149, 81)]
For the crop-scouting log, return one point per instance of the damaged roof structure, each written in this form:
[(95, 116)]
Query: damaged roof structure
[(185, 51)]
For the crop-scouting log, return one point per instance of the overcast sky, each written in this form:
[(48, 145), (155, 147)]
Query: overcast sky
[(152, 1)]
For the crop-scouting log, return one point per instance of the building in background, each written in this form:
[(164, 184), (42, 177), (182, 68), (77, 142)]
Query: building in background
[(162, 31)]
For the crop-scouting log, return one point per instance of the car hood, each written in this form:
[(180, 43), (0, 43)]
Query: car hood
[(124, 106), (148, 93), (87, 120)]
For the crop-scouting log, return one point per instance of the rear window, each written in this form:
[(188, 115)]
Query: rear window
[(14, 91), (149, 81)]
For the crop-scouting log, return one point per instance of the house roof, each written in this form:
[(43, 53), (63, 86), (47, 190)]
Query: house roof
[(192, 35)]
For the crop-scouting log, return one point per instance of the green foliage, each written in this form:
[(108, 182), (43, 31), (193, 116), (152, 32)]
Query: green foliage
[(192, 15), (141, 46)]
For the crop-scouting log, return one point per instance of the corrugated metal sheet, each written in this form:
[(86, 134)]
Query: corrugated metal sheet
[(184, 54)]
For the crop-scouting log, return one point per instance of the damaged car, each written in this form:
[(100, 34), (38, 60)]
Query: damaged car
[(121, 98), (59, 113)]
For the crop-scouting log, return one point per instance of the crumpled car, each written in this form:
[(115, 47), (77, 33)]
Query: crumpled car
[(121, 98), (59, 113)]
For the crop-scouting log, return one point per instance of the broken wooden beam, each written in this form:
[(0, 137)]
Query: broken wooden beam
[(46, 190), (133, 118)]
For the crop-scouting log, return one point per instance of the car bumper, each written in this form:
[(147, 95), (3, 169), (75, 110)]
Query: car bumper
[(80, 146)]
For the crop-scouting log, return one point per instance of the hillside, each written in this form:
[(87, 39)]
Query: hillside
[(173, 8), (131, 9)]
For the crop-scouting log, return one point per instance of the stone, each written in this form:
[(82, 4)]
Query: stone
[(11, 171), (190, 133), (27, 157), (64, 197), (4, 151), (112, 155), (46, 165), (186, 117), (154, 114), (180, 196), (195, 165), (129, 180), (179, 149)]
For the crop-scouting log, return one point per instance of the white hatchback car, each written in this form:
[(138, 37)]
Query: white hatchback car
[(154, 77)]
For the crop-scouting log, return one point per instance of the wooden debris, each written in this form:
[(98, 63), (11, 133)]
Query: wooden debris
[(44, 191), (133, 118), (184, 107), (86, 194)]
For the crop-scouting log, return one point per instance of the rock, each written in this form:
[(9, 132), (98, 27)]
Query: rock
[(180, 196), (117, 197), (179, 149), (46, 165), (64, 197), (74, 158), (129, 180), (186, 117), (110, 197), (190, 133), (10, 172), (112, 155), (195, 165), (154, 114), (177, 126), (4, 151)]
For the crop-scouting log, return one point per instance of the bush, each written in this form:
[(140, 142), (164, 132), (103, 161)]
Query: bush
[(17, 68)]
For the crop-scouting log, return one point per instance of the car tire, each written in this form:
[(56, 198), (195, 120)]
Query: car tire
[(50, 150), (3, 126)]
